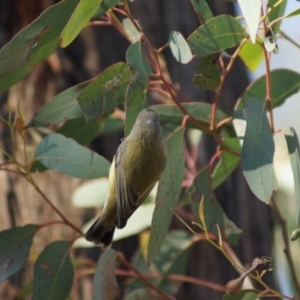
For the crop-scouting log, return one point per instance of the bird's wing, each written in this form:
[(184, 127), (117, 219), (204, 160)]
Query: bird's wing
[(128, 197)]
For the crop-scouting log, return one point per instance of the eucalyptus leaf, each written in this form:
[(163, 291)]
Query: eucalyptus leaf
[(215, 35), (14, 250), (53, 272), (65, 155), (81, 15), (34, 43), (168, 193), (258, 150), (180, 48)]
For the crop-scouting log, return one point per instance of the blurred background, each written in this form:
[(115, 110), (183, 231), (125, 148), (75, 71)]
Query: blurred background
[(95, 49)]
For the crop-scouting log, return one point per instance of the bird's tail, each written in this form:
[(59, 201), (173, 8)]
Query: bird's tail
[(100, 235)]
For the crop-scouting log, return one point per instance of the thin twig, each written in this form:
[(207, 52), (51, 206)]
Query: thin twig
[(141, 276)]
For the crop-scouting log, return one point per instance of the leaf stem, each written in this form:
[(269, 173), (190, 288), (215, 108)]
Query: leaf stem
[(142, 277)]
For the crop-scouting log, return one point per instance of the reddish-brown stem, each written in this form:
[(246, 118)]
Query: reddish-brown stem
[(268, 98), (141, 276), (65, 220), (176, 277)]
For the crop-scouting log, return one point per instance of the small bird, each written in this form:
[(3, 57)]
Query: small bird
[(136, 167)]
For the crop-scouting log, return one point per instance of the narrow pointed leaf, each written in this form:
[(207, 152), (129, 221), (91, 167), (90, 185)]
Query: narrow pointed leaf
[(228, 162), (180, 48), (293, 147), (61, 108), (15, 245), (203, 10), (34, 43), (136, 95), (214, 215), (284, 83), (251, 13), (258, 150), (217, 34), (53, 272), (106, 91), (105, 282), (168, 193), (81, 15), (65, 155), (276, 13)]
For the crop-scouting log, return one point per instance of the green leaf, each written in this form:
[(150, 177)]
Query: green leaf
[(143, 293), (105, 282), (293, 147), (15, 245), (199, 110), (105, 5), (172, 258), (53, 272), (252, 55), (276, 13), (228, 162), (61, 108), (106, 91), (258, 150), (168, 193), (65, 155), (136, 96), (284, 83), (251, 13), (294, 13), (215, 35), (243, 295), (81, 15), (203, 10), (34, 43), (213, 212), (210, 78), (180, 48), (81, 131), (131, 30)]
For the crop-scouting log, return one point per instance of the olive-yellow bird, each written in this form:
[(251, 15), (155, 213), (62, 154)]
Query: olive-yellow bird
[(136, 167)]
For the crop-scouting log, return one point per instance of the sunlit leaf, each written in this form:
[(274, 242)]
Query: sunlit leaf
[(252, 55), (293, 147), (215, 35), (15, 245), (168, 193), (34, 43), (258, 150), (53, 272), (65, 155), (106, 91), (180, 48), (284, 83), (131, 30), (81, 15), (105, 282), (251, 12)]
